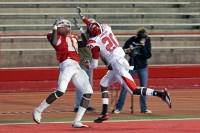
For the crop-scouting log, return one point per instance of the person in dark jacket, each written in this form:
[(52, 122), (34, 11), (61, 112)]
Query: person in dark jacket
[(138, 48)]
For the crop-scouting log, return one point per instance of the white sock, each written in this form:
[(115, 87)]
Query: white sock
[(42, 106), (149, 92), (105, 100), (79, 114)]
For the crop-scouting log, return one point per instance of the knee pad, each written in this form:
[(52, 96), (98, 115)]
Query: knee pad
[(58, 94)]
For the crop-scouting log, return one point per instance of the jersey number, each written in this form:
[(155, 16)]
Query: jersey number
[(72, 44), (110, 42)]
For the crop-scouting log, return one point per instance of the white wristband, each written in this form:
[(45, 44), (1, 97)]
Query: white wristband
[(55, 27)]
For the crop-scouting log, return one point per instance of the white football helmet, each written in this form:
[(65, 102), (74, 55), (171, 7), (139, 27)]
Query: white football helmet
[(63, 22)]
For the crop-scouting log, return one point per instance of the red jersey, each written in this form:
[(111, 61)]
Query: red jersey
[(66, 47)]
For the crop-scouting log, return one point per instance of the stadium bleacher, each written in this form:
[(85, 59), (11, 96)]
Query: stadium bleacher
[(36, 17), (24, 17)]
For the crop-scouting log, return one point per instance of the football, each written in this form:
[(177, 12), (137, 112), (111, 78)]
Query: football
[(62, 30)]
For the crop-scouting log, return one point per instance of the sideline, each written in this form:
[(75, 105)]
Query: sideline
[(141, 120)]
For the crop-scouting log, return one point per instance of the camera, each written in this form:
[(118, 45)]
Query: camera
[(134, 49)]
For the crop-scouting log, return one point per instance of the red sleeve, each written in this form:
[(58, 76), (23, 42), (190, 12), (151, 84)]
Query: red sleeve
[(95, 52), (86, 21)]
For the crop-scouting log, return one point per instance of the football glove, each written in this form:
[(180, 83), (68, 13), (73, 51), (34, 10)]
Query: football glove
[(55, 25), (78, 10), (77, 25)]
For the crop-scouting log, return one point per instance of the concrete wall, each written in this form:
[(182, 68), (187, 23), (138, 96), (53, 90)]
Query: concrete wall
[(45, 79)]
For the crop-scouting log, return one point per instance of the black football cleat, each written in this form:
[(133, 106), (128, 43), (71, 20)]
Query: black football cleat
[(166, 98), (101, 118)]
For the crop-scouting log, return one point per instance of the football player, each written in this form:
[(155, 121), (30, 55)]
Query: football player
[(66, 45), (103, 41)]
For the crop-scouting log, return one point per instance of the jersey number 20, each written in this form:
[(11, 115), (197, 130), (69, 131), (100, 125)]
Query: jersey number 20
[(110, 42)]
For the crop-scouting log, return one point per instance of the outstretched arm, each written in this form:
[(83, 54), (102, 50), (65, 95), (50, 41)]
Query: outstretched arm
[(85, 20), (83, 35), (53, 37)]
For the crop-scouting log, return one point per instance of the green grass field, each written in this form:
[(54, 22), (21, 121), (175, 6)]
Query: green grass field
[(131, 117)]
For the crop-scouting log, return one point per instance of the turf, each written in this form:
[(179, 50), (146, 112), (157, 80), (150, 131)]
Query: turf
[(110, 118)]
